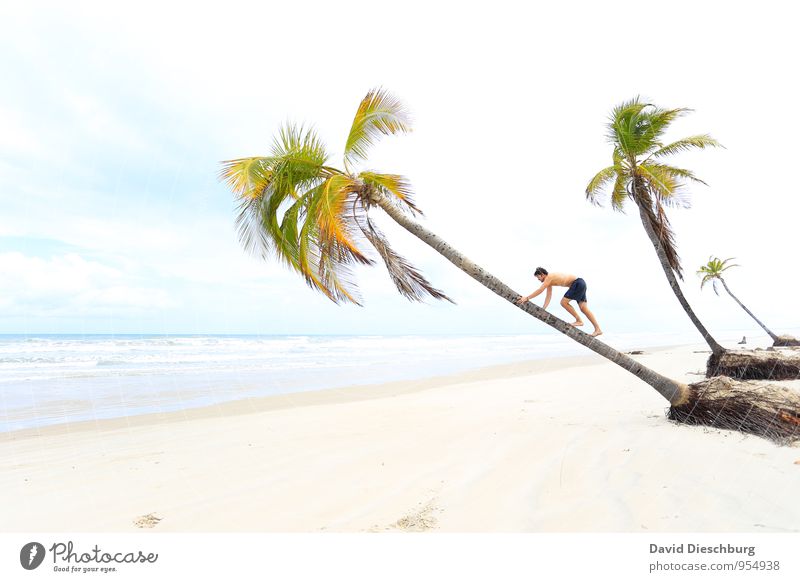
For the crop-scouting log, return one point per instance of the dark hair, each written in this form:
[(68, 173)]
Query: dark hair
[(540, 271)]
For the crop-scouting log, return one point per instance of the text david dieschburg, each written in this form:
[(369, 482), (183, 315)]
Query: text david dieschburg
[(698, 549)]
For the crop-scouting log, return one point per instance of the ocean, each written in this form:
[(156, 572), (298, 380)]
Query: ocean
[(52, 379)]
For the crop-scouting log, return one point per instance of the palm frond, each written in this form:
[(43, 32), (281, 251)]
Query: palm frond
[(600, 180), (677, 173), (297, 140), (409, 281), (320, 240), (396, 186), (310, 258), (688, 143), (289, 232), (710, 274), (712, 271), (726, 266), (655, 122), (332, 220), (637, 127), (250, 228), (620, 192), (247, 177), (622, 124), (252, 180), (337, 277), (664, 185), (378, 114), (298, 161)]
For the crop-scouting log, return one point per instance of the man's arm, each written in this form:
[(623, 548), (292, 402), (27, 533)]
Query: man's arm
[(545, 285), (547, 297)]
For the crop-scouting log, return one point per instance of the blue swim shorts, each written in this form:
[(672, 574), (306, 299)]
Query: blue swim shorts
[(577, 291)]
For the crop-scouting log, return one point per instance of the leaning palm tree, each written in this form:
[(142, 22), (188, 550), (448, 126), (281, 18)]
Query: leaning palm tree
[(316, 218), (712, 271), (638, 173)]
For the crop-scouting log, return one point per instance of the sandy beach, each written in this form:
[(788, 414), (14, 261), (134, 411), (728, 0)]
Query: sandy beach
[(568, 444)]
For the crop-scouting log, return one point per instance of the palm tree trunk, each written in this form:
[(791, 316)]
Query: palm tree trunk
[(673, 281), (675, 392), (750, 313)]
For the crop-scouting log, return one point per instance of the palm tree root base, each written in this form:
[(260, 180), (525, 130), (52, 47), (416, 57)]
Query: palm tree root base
[(768, 411), (785, 341), (755, 365)]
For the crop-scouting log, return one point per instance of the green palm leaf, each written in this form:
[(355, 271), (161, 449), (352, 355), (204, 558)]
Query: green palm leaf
[(299, 159), (653, 123), (664, 185), (622, 124), (378, 114), (599, 181), (619, 193), (247, 177), (688, 143)]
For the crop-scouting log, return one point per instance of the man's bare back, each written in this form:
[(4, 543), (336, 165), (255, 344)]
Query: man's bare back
[(559, 280)]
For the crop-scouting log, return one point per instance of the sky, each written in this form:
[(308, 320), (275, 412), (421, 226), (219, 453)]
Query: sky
[(114, 118)]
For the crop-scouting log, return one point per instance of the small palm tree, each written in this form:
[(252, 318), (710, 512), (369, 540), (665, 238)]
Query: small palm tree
[(638, 173), (712, 271), (316, 218)]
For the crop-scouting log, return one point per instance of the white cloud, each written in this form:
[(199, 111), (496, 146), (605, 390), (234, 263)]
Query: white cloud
[(71, 285)]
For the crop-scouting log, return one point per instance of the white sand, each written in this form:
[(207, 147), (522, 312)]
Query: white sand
[(573, 444)]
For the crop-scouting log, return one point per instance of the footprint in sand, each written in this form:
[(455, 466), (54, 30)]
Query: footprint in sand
[(148, 520)]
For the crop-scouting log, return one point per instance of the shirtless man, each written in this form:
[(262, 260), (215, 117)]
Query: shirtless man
[(576, 291)]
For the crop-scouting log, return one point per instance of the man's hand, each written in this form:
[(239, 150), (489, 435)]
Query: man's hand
[(521, 300)]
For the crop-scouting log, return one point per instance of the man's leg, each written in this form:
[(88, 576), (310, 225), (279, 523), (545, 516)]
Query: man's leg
[(565, 304), (585, 308)]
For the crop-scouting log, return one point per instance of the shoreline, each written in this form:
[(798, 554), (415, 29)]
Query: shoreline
[(349, 393), (573, 444), (72, 381)]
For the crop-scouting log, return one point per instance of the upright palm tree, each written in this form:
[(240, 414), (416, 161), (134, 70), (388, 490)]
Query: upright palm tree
[(638, 173), (712, 271), (316, 219)]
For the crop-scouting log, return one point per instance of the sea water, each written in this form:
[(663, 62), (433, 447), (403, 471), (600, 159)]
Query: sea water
[(51, 379)]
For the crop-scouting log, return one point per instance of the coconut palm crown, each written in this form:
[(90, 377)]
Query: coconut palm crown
[(313, 216), (712, 271), (638, 172), (636, 131)]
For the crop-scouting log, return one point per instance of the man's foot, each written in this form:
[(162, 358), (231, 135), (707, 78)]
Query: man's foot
[(597, 332), (577, 323)]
